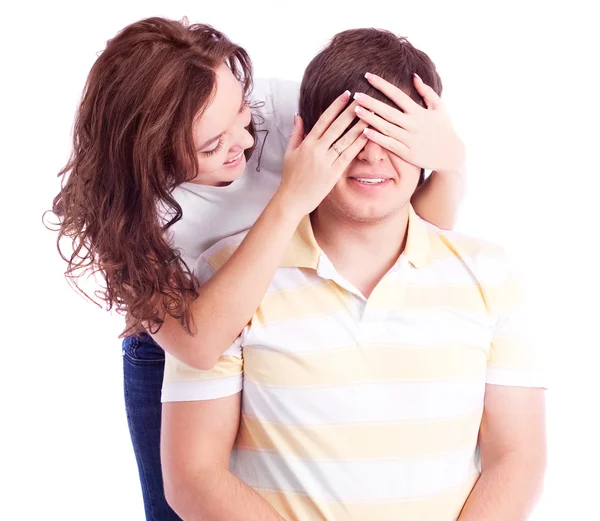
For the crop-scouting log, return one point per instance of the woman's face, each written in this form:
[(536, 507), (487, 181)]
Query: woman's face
[(220, 134)]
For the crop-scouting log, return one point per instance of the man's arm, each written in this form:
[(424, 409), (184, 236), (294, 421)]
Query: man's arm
[(196, 442), (512, 442)]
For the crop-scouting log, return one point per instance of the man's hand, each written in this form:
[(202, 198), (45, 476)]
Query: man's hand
[(421, 136)]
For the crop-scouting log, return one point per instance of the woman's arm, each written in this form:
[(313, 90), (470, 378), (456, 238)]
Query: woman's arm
[(228, 300), (226, 303), (438, 199)]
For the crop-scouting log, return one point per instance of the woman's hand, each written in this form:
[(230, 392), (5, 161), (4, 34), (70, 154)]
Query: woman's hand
[(313, 164), (423, 137)]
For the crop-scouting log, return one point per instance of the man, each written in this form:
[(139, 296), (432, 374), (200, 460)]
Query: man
[(386, 373)]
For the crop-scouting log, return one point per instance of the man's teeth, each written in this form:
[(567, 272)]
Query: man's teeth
[(370, 181)]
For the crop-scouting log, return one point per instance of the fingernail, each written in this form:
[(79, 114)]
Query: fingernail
[(367, 75), (295, 117), (346, 95), (367, 132), (359, 110), (417, 76), (358, 95)]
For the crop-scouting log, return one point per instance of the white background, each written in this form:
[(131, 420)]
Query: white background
[(521, 82)]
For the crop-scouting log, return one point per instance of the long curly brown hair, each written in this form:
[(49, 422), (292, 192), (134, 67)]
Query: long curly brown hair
[(132, 144)]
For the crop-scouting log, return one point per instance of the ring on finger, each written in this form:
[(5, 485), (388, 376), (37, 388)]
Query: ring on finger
[(337, 151)]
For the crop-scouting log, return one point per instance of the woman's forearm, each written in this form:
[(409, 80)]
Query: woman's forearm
[(226, 303), (437, 200)]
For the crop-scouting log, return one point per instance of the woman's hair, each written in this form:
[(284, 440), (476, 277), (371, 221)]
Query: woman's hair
[(132, 144), (342, 65)]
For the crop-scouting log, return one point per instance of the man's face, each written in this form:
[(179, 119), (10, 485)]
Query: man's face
[(376, 186)]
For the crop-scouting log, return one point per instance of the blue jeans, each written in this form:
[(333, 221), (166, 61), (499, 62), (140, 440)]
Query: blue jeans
[(143, 367)]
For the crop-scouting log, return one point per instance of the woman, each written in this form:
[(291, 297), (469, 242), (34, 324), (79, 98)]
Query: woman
[(158, 174)]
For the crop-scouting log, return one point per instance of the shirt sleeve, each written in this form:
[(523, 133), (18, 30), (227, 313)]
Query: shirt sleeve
[(514, 358), (274, 103), (182, 383)]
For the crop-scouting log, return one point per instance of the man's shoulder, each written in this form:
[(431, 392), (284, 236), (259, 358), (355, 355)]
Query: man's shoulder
[(218, 254), (467, 244), (486, 259)]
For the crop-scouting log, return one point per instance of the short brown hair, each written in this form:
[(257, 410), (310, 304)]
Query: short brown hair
[(342, 65), (133, 143), (350, 54)]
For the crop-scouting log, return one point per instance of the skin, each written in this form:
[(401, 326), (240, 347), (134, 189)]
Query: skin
[(363, 203), (361, 225), (220, 133), (350, 224), (512, 440), (311, 170), (197, 439)]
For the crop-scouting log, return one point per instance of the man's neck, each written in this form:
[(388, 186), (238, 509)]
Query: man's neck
[(361, 252)]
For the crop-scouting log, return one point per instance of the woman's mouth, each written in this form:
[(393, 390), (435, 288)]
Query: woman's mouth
[(235, 160)]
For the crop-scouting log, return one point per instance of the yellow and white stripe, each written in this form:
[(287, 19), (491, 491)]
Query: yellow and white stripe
[(359, 408)]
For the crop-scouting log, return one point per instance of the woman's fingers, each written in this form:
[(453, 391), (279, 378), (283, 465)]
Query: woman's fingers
[(347, 156), (383, 126), (297, 134), (432, 100), (339, 126), (346, 140), (329, 116), (399, 97), (391, 144), (383, 109)]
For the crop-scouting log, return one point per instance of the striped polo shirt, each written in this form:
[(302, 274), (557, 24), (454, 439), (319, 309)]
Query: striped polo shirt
[(368, 409)]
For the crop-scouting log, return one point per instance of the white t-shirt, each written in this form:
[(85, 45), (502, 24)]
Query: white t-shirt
[(211, 213)]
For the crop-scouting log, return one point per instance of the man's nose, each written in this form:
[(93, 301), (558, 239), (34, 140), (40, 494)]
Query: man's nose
[(372, 153)]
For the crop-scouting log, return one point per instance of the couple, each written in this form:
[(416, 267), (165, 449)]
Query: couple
[(377, 365)]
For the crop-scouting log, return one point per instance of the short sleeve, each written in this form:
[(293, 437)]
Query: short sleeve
[(274, 103), (514, 358), (216, 256), (203, 271), (183, 383)]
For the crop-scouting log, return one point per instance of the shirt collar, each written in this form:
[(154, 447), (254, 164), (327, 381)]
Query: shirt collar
[(304, 251), (418, 241)]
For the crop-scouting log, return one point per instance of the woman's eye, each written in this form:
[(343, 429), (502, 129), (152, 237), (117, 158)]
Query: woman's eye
[(214, 150)]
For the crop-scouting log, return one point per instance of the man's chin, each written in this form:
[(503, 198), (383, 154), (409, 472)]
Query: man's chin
[(366, 215)]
